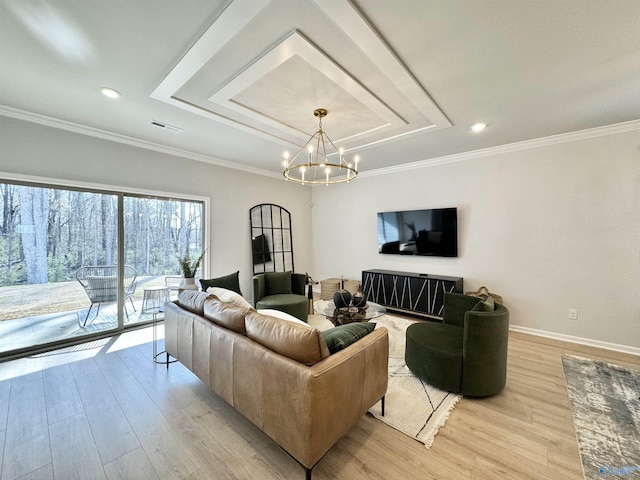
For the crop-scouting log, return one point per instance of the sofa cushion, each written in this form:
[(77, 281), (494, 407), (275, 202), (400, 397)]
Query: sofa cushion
[(229, 296), (230, 282), (298, 342), (192, 300), (342, 336), (228, 315), (277, 283)]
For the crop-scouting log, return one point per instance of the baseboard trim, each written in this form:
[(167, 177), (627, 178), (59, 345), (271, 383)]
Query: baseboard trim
[(579, 340)]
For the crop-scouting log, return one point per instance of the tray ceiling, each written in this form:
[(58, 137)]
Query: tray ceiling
[(236, 81), (273, 90)]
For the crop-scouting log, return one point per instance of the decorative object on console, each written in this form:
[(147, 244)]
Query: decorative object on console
[(483, 292), (311, 167)]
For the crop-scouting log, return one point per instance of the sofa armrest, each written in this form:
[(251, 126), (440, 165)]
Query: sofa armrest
[(298, 283), (308, 409), (259, 288), (485, 341)]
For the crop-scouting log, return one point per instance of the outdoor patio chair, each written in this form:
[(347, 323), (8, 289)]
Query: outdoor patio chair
[(101, 285), (173, 282)]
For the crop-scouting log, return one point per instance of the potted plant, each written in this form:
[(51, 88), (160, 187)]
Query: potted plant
[(189, 268)]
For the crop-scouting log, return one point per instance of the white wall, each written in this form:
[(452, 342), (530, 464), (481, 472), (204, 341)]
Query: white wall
[(548, 228), (35, 150)]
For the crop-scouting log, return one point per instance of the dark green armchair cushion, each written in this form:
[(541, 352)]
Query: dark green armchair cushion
[(277, 283), (230, 282), (341, 337)]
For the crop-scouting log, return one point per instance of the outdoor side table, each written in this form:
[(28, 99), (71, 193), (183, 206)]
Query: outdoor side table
[(154, 298), (156, 354)]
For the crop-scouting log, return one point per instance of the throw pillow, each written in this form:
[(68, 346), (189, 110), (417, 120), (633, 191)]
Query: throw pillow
[(486, 305), (229, 296), (277, 283), (230, 282), (283, 316), (341, 337)]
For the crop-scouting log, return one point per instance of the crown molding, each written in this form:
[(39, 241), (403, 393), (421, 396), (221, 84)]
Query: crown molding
[(616, 128), (52, 122), (510, 147)]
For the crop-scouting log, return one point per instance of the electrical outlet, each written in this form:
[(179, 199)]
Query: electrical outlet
[(573, 314)]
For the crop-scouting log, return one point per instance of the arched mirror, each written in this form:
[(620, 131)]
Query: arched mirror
[(271, 240)]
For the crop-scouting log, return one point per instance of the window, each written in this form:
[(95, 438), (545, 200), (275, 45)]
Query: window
[(60, 275)]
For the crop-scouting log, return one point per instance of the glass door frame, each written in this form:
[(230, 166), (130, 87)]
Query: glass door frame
[(120, 193)]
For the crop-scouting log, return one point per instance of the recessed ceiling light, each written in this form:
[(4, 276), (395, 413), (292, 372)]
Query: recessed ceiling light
[(478, 127), (110, 92)]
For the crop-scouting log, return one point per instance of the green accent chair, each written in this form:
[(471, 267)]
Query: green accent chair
[(467, 352), (282, 291)]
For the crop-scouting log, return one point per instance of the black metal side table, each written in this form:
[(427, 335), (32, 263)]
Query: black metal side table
[(156, 354), (310, 283)]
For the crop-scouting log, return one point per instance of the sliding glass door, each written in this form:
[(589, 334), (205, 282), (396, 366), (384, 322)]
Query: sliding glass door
[(157, 232), (61, 277)]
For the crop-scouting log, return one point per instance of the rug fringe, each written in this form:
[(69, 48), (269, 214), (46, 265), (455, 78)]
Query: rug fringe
[(443, 421)]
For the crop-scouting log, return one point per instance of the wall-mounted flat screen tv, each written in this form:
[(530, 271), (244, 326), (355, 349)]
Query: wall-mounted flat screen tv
[(432, 232)]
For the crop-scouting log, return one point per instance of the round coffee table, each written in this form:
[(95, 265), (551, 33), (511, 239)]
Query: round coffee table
[(341, 316)]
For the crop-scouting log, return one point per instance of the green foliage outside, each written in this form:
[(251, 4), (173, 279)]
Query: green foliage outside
[(81, 229)]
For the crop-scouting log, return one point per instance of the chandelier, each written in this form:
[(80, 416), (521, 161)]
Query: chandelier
[(312, 164)]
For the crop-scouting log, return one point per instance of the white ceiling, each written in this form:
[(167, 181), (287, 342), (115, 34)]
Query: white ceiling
[(402, 80)]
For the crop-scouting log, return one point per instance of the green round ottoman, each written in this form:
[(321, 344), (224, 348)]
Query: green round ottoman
[(433, 353)]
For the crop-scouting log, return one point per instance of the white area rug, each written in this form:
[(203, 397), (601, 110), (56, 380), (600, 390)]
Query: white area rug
[(411, 406)]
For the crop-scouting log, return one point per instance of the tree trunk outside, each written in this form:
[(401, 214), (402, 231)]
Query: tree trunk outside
[(34, 213)]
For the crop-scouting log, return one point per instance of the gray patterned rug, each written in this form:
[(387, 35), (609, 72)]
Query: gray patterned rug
[(605, 403)]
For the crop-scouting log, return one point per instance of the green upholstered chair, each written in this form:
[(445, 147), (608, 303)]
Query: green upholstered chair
[(282, 291), (467, 352)]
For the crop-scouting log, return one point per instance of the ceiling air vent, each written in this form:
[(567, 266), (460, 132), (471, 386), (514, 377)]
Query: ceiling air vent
[(168, 128)]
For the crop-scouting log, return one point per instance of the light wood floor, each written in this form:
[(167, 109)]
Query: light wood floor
[(104, 410)]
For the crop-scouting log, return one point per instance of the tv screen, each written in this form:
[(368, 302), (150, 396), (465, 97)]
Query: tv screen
[(431, 232)]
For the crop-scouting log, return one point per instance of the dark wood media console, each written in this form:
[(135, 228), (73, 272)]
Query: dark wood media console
[(416, 293)]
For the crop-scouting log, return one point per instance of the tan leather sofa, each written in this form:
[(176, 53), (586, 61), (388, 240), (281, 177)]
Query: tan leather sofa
[(276, 373)]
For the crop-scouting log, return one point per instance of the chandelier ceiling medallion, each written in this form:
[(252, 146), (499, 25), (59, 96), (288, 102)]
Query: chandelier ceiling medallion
[(312, 164)]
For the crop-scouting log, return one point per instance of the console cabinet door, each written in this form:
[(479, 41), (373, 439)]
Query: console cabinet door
[(415, 293)]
